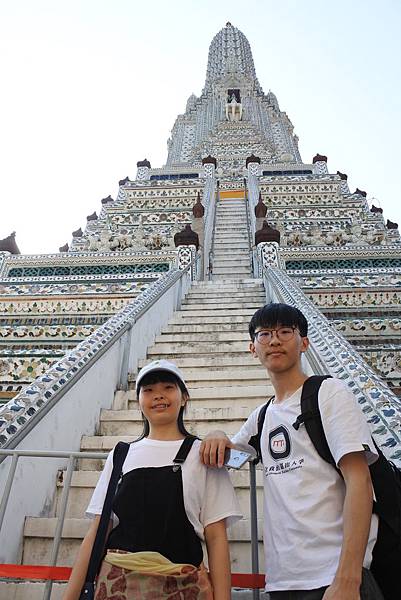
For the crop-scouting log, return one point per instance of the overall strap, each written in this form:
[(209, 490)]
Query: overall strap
[(119, 455), (310, 416), (184, 449)]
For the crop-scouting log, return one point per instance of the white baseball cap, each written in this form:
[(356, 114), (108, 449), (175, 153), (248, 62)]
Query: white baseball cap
[(160, 365)]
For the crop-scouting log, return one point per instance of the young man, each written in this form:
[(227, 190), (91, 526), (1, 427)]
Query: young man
[(318, 528)]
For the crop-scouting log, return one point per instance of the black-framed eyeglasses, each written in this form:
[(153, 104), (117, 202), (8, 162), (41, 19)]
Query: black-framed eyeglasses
[(284, 334)]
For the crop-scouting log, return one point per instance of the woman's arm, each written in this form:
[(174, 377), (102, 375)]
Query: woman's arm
[(78, 574), (219, 559)]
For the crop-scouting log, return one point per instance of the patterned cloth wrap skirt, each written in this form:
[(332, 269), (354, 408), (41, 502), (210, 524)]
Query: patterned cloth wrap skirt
[(150, 576)]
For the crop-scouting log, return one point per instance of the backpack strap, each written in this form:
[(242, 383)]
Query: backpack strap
[(255, 439), (184, 449), (310, 416)]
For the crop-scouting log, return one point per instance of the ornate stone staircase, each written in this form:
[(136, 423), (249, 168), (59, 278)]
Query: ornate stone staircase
[(230, 245), (208, 340)]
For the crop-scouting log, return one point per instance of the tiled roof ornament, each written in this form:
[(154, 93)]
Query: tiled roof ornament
[(267, 234), (391, 224), (107, 200), (142, 163), (92, 217), (376, 209), (123, 181), (198, 210), (77, 233), (360, 192), (209, 160), (8, 244), (252, 159), (64, 248), (260, 208), (343, 176), (319, 158), (186, 237)]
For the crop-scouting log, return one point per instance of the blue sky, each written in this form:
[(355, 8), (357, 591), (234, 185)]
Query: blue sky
[(91, 87)]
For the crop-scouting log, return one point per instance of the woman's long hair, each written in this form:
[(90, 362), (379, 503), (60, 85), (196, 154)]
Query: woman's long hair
[(164, 377)]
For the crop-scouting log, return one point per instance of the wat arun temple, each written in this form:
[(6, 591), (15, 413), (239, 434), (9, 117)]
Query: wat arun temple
[(173, 267)]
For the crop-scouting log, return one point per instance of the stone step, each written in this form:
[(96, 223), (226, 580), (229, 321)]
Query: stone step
[(44, 527), (222, 246), (255, 297), (198, 347), (247, 281), (207, 336), (232, 229), (230, 213), (83, 484), (224, 295), (227, 307), (34, 590), (230, 237), (215, 361), (207, 300), (203, 328), (239, 258), (186, 319), (218, 277), (240, 271), (198, 377), (37, 547)]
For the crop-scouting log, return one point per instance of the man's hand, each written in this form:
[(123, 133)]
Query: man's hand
[(212, 449), (343, 590)]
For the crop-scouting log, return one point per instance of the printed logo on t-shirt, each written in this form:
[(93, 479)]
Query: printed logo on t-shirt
[(279, 443)]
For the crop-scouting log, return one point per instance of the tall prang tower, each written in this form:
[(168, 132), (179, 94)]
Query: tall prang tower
[(173, 267), (232, 118)]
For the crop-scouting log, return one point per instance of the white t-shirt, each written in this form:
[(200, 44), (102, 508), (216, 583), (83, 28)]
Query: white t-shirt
[(303, 494), (209, 495)]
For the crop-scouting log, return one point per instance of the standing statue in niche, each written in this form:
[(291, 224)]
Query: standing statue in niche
[(233, 109)]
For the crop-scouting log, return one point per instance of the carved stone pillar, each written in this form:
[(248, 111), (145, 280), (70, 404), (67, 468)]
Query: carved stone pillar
[(252, 163), (320, 164), (209, 166), (344, 184), (268, 256), (143, 170), (186, 256)]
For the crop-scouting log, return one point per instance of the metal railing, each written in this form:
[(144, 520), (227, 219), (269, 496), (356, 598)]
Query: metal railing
[(209, 197), (250, 228), (72, 457), (212, 227)]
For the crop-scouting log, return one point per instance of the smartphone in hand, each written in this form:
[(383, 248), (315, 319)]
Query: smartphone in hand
[(235, 459)]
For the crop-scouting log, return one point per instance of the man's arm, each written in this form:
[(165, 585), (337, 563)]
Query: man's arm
[(213, 447), (357, 514)]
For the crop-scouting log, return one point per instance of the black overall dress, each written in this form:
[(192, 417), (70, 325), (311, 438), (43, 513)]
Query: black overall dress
[(149, 504)]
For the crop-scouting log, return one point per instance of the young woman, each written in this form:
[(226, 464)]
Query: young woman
[(162, 510)]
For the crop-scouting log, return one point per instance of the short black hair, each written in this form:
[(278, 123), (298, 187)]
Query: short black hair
[(274, 314), (162, 376)]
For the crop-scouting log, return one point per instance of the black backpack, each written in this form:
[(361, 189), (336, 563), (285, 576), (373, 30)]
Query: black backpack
[(386, 479)]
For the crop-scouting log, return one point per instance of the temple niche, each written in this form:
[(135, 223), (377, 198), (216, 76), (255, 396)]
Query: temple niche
[(233, 106)]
